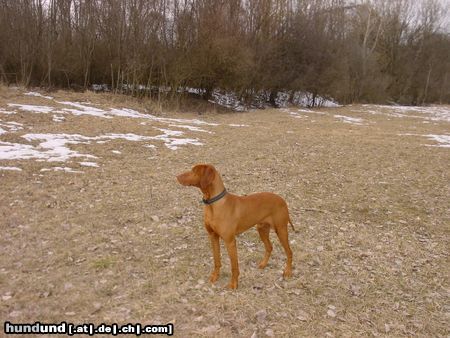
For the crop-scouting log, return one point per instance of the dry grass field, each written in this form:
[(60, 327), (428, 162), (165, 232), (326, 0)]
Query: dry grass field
[(117, 239)]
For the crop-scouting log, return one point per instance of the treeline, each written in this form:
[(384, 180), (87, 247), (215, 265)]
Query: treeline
[(352, 51)]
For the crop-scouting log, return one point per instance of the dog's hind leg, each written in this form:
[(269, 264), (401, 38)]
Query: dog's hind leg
[(282, 234), (264, 230)]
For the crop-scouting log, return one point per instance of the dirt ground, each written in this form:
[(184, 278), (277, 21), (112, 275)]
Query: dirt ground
[(124, 242)]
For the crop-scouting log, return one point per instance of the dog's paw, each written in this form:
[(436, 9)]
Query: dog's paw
[(214, 277), (233, 285), (262, 265), (287, 273)]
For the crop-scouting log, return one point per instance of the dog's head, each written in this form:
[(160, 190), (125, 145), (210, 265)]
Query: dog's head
[(200, 176)]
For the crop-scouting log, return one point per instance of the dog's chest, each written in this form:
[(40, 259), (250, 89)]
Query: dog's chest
[(214, 218), (208, 215)]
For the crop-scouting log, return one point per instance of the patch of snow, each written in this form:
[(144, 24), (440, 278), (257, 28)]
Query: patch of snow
[(65, 169), (170, 132), (191, 128), (305, 99), (282, 99), (197, 91), (181, 121), (169, 137), (116, 152), (262, 99), (54, 147), (100, 88), (443, 140), (58, 118), (7, 112), (150, 146), (89, 164), (83, 109), (78, 112), (11, 168), (38, 95), (173, 143), (317, 112), (15, 124), (10, 127), (237, 102), (352, 120), (238, 125), (368, 111), (32, 108), (125, 112), (309, 111), (18, 151), (431, 113), (228, 100), (128, 137), (296, 114)]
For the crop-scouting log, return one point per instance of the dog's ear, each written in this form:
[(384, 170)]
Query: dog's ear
[(207, 177)]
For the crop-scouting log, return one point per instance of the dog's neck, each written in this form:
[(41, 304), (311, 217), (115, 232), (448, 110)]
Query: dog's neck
[(214, 189)]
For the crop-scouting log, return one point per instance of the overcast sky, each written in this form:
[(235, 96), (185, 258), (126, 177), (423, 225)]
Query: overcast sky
[(446, 4)]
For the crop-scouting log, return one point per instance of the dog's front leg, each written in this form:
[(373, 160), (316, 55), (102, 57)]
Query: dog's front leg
[(232, 252), (215, 246)]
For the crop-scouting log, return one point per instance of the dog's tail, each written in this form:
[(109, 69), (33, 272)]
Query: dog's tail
[(292, 225)]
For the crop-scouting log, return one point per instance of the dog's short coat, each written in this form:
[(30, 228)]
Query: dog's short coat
[(231, 215)]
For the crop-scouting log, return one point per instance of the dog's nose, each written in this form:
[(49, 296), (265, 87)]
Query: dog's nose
[(181, 179)]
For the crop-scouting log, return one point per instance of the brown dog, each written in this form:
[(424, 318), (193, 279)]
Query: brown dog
[(227, 215)]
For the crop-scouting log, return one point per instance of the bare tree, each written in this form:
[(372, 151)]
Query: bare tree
[(366, 50)]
